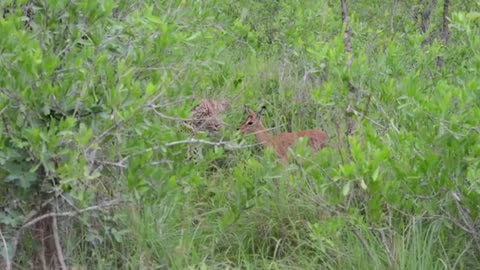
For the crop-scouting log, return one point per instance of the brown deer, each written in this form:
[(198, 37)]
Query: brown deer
[(281, 142)]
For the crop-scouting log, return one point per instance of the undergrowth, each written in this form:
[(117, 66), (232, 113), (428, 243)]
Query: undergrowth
[(94, 94)]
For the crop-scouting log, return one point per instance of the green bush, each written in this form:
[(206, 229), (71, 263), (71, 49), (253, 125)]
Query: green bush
[(93, 95)]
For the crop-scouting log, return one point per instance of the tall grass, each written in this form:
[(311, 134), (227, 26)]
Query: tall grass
[(400, 193), (284, 228)]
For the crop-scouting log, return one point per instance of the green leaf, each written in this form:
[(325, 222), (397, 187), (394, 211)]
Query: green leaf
[(154, 19), (363, 185), (375, 174), (84, 135), (194, 36), (346, 189)]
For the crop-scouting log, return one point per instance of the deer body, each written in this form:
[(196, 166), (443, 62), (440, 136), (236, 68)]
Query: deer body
[(281, 142)]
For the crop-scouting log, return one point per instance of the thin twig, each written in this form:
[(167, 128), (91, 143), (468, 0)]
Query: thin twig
[(18, 233), (107, 132), (4, 109), (369, 119), (443, 121), (365, 112), (71, 213), (169, 117), (364, 243), (192, 140), (58, 247), (119, 164), (390, 119), (67, 200), (7, 256), (391, 251), (461, 254), (164, 161), (445, 32), (228, 145), (347, 39), (467, 219)]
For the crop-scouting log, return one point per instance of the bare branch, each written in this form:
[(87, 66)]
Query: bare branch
[(18, 233), (364, 242), (65, 199), (347, 34), (426, 16), (445, 31), (7, 255), (369, 119), (192, 140), (4, 109), (391, 121), (72, 213), (390, 248), (58, 247), (348, 51), (466, 217), (119, 164), (226, 144), (107, 132)]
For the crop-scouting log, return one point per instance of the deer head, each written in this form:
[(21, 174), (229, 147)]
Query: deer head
[(253, 122)]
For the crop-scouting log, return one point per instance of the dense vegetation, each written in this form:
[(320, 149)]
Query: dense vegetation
[(95, 167)]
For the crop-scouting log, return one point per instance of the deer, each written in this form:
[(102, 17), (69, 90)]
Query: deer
[(281, 142)]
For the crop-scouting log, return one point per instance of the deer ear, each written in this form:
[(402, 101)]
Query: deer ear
[(248, 109), (261, 112)]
